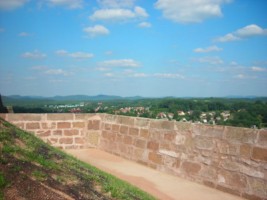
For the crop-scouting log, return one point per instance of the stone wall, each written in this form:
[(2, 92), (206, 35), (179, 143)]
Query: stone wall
[(230, 159)]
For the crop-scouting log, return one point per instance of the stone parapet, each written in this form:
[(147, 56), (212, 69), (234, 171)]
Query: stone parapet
[(230, 159)]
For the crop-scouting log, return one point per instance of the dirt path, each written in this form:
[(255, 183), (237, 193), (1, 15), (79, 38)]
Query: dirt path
[(161, 185)]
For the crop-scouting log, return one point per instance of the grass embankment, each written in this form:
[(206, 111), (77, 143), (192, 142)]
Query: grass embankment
[(31, 169)]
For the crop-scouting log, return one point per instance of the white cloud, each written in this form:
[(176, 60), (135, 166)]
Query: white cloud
[(211, 60), (144, 25), (56, 72), (24, 34), (118, 14), (207, 49), (102, 69), (76, 55), (190, 11), (38, 68), (96, 30), (116, 3), (109, 75), (11, 4), (81, 55), (139, 75), (71, 4), (258, 69), (120, 63), (243, 76), (168, 75), (247, 31), (34, 55)]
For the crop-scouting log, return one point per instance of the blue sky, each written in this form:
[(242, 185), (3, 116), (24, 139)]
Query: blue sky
[(204, 48)]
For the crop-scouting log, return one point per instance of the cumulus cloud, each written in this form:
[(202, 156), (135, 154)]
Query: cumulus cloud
[(120, 63), (144, 25), (207, 49), (11, 4), (77, 55), (96, 30), (118, 14), (258, 69), (190, 11), (70, 4), (33, 55), (211, 60), (116, 3), (245, 32)]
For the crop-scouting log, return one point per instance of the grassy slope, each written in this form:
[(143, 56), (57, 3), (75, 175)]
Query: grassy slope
[(25, 158)]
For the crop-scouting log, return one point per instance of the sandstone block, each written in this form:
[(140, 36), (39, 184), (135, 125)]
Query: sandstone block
[(168, 153), (124, 129), (204, 143), (208, 130), (144, 133), (63, 125), (228, 190), (191, 168), (110, 118), (52, 141), (60, 117), (230, 165), (153, 145), (127, 140), (140, 143), (25, 117), (57, 132), (48, 125), (262, 140), (129, 121), (138, 154), (251, 171), (79, 140), (107, 126), (183, 127), (160, 124), (240, 135), (109, 135), (232, 179), (115, 127), (142, 122), (93, 124), (227, 148), (180, 139), (71, 132), (245, 150), (93, 138), (43, 133), (65, 140), (78, 125), (20, 125), (155, 158), (33, 125), (259, 154), (258, 186), (209, 173), (134, 131), (169, 136)]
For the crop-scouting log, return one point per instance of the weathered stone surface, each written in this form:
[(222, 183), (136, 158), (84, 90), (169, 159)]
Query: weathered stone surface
[(226, 148), (43, 133), (52, 141), (240, 135), (57, 132), (155, 158), (259, 154), (142, 122), (179, 139), (33, 125), (153, 145), (209, 173), (251, 171), (66, 140), (138, 154), (232, 179), (78, 125), (25, 117), (144, 133), (183, 127), (115, 127), (62, 125), (107, 126), (245, 150), (19, 124), (93, 137), (251, 197), (109, 135), (124, 129), (160, 124), (258, 186), (155, 134), (230, 165), (140, 143), (228, 190), (262, 139), (79, 140), (60, 117), (93, 124), (128, 140), (168, 153), (125, 120), (204, 143), (208, 130), (48, 125), (110, 118), (71, 132), (191, 168), (134, 131), (170, 136)]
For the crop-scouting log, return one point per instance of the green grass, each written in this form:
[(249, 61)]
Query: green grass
[(63, 167), (3, 184)]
